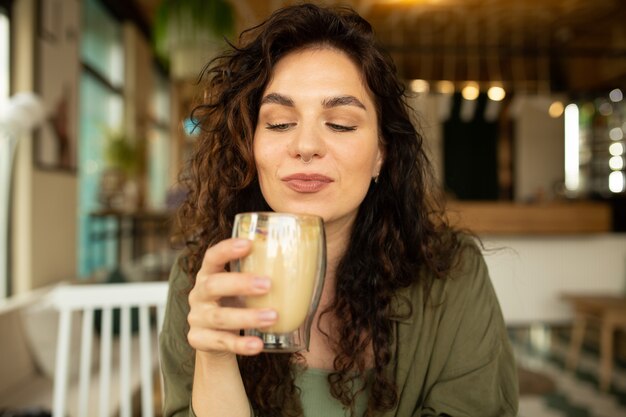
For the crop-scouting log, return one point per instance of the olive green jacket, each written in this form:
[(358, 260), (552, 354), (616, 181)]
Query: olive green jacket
[(451, 354)]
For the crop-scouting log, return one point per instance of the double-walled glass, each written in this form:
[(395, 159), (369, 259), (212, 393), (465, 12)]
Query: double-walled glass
[(290, 249)]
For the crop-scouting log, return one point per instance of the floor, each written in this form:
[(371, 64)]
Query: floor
[(547, 389)]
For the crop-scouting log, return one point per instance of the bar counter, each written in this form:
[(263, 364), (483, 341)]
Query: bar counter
[(536, 252), (509, 218)]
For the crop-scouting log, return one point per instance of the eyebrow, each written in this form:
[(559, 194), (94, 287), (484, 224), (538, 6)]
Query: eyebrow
[(276, 98), (342, 101)]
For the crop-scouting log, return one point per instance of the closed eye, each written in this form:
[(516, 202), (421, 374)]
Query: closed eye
[(279, 127), (341, 128)]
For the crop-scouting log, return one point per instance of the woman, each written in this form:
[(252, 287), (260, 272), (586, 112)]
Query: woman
[(307, 115)]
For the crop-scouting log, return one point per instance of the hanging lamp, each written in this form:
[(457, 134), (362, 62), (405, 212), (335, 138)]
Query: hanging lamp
[(188, 33)]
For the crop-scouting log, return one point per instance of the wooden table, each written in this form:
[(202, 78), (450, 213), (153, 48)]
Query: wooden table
[(609, 311), (138, 226)]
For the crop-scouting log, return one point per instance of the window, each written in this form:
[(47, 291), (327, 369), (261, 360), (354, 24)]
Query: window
[(101, 110), (4, 51), (5, 150), (158, 143)]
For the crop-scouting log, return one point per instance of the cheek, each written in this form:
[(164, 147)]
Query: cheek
[(260, 153), (357, 178), (264, 163), (366, 165)]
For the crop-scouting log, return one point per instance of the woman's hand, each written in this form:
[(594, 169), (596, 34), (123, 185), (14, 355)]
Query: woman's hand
[(213, 325)]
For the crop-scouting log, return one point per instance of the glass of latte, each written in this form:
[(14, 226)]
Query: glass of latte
[(290, 249)]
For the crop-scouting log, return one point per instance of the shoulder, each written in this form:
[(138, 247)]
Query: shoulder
[(177, 356), (467, 277), (466, 292), (179, 279), (455, 342), (469, 269), (470, 322), (177, 307), (451, 306)]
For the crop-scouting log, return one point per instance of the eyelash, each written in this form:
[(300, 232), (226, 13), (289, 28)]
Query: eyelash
[(341, 128), (281, 127)]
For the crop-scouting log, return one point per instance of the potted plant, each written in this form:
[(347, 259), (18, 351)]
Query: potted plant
[(119, 185)]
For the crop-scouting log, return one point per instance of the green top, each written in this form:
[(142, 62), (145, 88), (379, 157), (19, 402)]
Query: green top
[(316, 398), (450, 355)]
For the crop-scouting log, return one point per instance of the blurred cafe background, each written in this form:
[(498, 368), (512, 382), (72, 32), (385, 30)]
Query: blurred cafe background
[(521, 103)]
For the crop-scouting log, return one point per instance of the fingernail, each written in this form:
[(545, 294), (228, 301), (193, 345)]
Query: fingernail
[(240, 243), (261, 283), (252, 344), (268, 315)]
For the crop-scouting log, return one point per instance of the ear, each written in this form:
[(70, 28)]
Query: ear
[(380, 158)]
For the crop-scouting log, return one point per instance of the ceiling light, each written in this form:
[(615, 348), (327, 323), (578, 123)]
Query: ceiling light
[(605, 109), (470, 91), (445, 87), (616, 95), (616, 163), (616, 149), (419, 86), (556, 109), (496, 93), (616, 133), (616, 181)]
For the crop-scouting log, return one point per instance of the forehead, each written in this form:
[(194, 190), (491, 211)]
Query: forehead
[(319, 72), (321, 64)]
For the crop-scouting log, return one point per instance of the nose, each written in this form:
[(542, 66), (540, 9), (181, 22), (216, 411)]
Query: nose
[(307, 143)]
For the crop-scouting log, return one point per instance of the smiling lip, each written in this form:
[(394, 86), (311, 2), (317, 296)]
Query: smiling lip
[(307, 183)]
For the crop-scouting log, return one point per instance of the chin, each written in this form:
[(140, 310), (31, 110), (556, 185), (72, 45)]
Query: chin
[(305, 208)]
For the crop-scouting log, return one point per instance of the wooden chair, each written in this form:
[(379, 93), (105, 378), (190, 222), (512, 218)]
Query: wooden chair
[(148, 298), (609, 312)]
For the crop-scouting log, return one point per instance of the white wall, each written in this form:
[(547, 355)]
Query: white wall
[(43, 202), (426, 118), (54, 227), (531, 273), (538, 150), (22, 68)]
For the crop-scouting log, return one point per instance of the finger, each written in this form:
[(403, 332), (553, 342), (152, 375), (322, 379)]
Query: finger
[(226, 318), (209, 340), (231, 284), (223, 252)]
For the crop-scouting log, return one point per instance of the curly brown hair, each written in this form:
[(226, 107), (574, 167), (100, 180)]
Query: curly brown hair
[(400, 228)]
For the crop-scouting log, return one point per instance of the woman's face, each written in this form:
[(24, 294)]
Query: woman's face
[(317, 108)]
